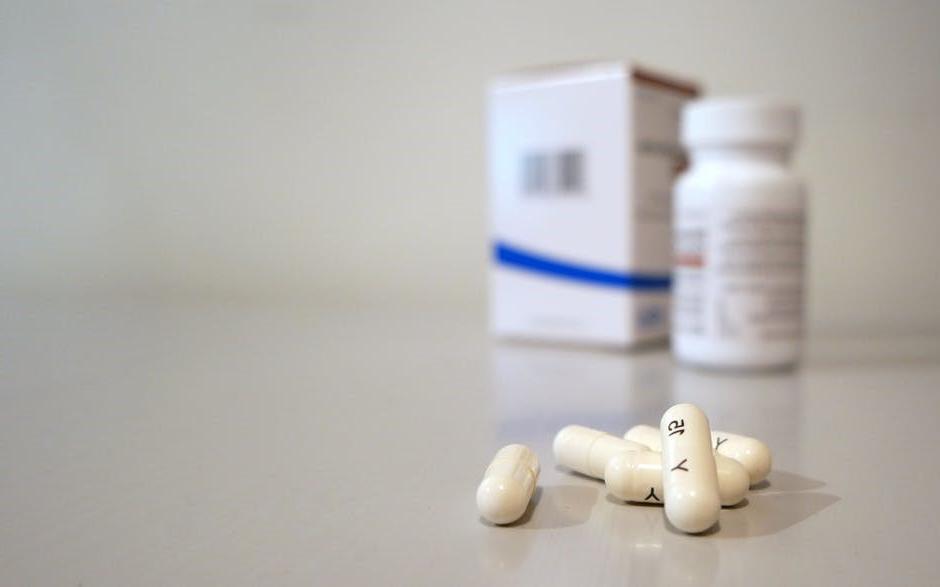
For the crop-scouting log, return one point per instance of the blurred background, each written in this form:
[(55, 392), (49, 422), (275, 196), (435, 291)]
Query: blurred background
[(333, 153)]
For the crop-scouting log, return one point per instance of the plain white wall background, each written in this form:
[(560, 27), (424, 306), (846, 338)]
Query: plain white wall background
[(334, 151)]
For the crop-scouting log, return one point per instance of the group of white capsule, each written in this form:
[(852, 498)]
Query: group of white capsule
[(683, 465)]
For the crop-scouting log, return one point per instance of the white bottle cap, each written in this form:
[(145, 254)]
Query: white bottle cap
[(739, 121)]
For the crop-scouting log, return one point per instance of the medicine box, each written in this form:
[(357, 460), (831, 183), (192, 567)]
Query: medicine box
[(581, 163)]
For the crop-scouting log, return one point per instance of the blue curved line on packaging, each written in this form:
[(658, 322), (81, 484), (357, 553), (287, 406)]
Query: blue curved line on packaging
[(516, 258)]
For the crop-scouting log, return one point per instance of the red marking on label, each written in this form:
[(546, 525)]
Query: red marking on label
[(690, 261)]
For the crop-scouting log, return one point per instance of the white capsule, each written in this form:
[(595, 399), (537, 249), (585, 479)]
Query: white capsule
[(648, 435), (690, 477), (638, 476), (750, 452), (587, 451), (508, 483), (753, 454)]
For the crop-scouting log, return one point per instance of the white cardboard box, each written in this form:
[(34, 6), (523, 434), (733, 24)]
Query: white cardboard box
[(581, 163)]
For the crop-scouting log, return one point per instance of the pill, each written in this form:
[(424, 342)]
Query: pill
[(750, 452), (508, 483), (587, 451), (638, 476), (690, 477), (648, 435)]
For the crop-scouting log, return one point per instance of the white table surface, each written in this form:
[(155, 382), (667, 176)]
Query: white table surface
[(148, 443)]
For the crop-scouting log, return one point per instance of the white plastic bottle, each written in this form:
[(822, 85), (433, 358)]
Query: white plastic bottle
[(738, 240)]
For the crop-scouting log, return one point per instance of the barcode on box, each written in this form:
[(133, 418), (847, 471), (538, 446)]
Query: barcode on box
[(560, 173)]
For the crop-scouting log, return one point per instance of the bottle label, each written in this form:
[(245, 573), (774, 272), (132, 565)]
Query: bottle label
[(739, 273)]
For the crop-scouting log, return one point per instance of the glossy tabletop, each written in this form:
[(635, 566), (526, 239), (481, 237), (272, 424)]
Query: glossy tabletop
[(158, 443)]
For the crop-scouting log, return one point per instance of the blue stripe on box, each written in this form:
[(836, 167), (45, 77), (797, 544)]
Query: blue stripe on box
[(523, 260)]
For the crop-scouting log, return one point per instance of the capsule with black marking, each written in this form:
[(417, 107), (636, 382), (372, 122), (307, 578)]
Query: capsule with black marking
[(638, 477), (753, 454), (690, 478)]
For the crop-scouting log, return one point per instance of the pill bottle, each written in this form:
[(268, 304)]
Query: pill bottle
[(738, 237)]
